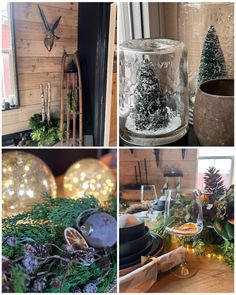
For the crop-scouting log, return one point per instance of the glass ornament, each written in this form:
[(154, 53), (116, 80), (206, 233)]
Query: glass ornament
[(89, 176), (25, 178), (153, 92)]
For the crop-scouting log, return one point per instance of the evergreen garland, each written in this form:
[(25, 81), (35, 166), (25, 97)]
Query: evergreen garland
[(212, 63), (217, 236), (36, 258), (150, 109)]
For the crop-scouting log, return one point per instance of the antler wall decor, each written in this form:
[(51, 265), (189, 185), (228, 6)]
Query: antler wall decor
[(50, 32)]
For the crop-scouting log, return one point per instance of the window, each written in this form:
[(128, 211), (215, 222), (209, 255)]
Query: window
[(8, 68), (222, 160)]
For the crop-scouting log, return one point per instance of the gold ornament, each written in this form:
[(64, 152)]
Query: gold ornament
[(25, 178), (89, 176)]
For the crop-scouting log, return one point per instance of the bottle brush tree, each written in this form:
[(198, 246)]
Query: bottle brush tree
[(150, 109), (212, 63)]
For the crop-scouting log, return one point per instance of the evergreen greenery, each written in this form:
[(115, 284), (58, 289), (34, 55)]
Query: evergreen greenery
[(217, 235), (51, 268), (71, 102), (212, 63), (44, 134), (18, 280), (150, 109)]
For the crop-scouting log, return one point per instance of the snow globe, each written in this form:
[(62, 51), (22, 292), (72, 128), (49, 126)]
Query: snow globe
[(153, 92)]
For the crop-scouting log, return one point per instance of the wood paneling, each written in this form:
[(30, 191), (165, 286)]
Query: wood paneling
[(30, 97), (169, 158), (113, 123), (35, 31), (35, 64), (29, 12), (26, 48), (18, 120), (28, 65)]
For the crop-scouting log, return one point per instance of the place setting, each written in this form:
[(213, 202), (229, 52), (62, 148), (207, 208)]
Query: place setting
[(171, 236)]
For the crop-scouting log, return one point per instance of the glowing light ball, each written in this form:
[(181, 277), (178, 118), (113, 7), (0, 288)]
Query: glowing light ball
[(25, 178), (89, 176)]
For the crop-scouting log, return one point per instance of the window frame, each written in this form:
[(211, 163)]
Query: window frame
[(218, 158), (12, 55)]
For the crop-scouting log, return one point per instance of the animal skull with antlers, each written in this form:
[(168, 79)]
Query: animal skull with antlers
[(50, 32)]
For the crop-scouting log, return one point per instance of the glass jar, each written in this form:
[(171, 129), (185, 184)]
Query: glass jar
[(194, 19), (153, 92)]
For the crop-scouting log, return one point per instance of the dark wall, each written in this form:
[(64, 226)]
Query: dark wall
[(59, 160), (93, 29)]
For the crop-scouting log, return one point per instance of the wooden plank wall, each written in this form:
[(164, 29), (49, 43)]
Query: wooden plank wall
[(113, 123), (35, 64), (169, 158)]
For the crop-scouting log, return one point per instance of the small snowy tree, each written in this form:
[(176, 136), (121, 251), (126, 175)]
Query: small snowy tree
[(150, 110), (212, 63)]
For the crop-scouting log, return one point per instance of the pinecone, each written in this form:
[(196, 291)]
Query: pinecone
[(6, 288), (41, 250), (39, 284), (214, 184), (29, 249), (90, 288), (30, 263), (6, 269), (11, 241), (104, 262), (77, 290), (69, 249), (56, 283)]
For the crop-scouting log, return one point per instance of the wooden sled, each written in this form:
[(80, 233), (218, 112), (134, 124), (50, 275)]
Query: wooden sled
[(71, 97)]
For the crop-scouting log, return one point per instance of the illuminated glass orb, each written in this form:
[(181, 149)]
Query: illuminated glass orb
[(89, 176), (25, 178)]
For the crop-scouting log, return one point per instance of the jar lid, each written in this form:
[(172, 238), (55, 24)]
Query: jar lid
[(149, 46)]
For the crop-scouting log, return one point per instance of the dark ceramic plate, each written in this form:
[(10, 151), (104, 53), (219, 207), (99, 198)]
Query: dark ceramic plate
[(128, 234), (154, 249), (135, 246)]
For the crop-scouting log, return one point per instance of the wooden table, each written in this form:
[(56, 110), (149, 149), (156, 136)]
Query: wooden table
[(212, 276)]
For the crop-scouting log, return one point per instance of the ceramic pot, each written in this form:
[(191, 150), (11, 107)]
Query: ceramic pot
[(214, 113)]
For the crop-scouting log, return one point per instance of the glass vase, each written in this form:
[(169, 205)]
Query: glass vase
[(153, 92)]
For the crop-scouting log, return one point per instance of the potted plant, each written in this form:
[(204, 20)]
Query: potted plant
[(45, 134)]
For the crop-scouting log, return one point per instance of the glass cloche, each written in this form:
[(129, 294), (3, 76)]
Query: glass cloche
[(153, 92)]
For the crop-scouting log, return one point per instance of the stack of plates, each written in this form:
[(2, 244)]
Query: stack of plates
[(137, 241)]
